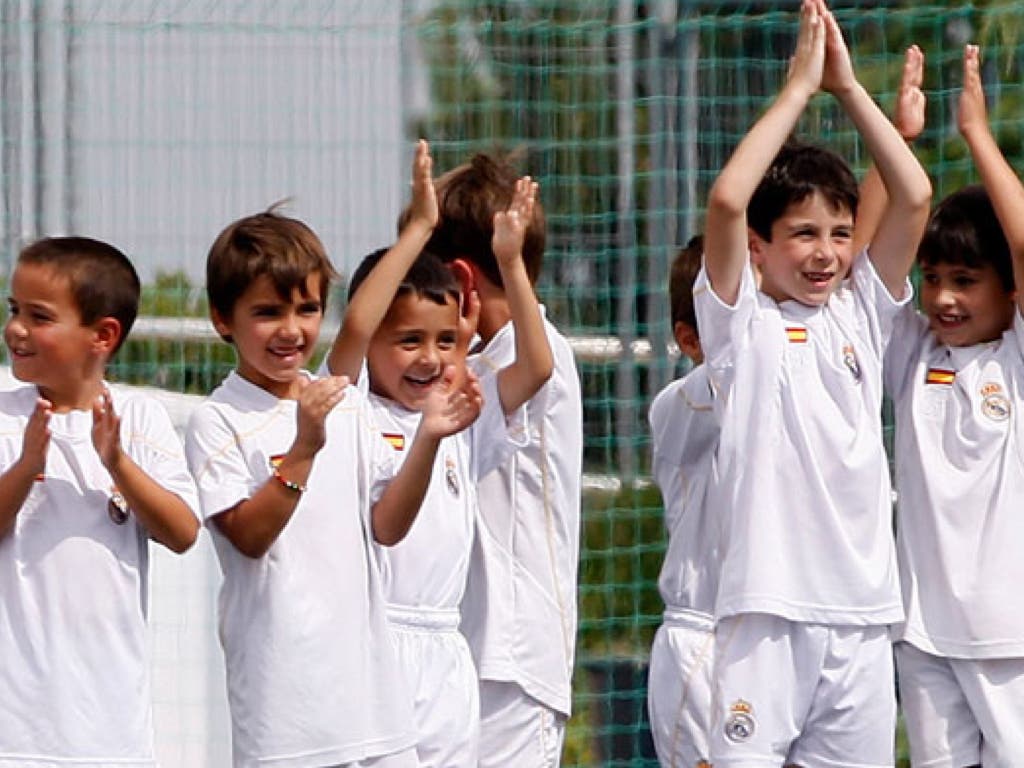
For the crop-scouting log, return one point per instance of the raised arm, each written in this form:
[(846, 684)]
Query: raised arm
[(16, 482), (726, 236), (909, 121), (1001, 182), (901, 224), (451, 406), (520, 379), (372, 299), (164, 516), (254, 524)]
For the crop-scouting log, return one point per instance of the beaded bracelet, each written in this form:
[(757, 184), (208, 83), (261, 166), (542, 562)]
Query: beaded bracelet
[(290, 485)]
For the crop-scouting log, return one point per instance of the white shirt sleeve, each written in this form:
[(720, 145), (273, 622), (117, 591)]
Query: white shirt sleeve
[(217, 462), (495, 436)]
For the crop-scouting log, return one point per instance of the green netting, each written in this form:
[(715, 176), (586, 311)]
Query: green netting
[(154, 123)]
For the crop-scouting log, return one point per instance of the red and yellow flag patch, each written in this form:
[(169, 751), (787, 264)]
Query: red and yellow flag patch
[(395, 439), (796, 334), (940, 376)]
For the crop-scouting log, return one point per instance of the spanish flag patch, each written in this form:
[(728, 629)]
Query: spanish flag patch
[(796, 334), (395, 439), (275, 461), (940, 376)]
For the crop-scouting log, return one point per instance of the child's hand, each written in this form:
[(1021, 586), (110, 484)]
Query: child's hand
[(36, 440), (910, 100), (972, 113), (424, 198), (808, 61), (106, 431), (316, 400), (837, 76), (453, 405), (510, 226)]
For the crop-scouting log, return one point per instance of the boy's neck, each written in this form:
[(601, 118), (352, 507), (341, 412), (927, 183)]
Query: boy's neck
[(78, 395)]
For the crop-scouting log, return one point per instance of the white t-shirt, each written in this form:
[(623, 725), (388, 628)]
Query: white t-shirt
[(311, 666), (427, 569), (519, 613), (802, 488), (960, 477), (685, 435), (74, 591)]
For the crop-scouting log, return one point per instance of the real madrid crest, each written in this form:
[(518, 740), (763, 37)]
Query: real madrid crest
[(740, 724), (994, 404), (117, 507), (451, 479), (850, 361)]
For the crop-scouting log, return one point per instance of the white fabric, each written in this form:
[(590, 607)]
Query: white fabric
[(960, 476), (74, 590), (312, 672), (791, 693), (679, 689), (802, 486), (519, 612), (961, 712), (517, 730), (685, 434)]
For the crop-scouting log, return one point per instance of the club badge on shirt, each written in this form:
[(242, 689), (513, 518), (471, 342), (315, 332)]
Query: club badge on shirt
[(850, 360), (740, 724), (994, 404), (117, 507), (451, 479)]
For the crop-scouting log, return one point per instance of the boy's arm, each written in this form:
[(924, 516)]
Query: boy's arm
[(254, 524), (450, 408), (16, 482), (726, 239), (894, 245), (909, 122), (370, 303), (163, 514), (520, 379), (1001, 182)]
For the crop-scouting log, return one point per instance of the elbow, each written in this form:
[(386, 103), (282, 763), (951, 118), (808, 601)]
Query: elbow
[(723, 200), (386, 538), (182, 541)]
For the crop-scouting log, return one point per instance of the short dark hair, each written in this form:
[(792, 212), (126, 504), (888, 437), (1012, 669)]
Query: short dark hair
[(428, 278), (798, 171), (468, 197), (684, 271), (268, 243), (103, 281), (964, 229)]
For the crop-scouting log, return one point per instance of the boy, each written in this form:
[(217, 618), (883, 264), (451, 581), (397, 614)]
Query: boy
[(808, 576), (405, 349), (684, 437), (519, 612), (955, 372), (89, 474), (295, 481)]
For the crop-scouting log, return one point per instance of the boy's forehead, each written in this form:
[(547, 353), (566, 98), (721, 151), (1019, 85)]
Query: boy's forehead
[(817, 207), (413, 309)]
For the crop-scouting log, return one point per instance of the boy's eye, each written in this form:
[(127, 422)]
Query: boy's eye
[(964, 281), (930, 278), (843, 234), (409, 341), (447, 340), (310, 308), (266, 311)]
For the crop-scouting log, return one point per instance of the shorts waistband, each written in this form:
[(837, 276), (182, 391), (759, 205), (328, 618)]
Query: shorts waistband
[(678, 616), (414, 617)]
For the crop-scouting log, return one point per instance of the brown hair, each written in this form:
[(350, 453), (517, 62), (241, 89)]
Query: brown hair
[(103, 281), (683, 273), (284, 249), (468, 197)]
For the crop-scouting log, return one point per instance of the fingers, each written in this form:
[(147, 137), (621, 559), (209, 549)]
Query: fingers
[(972, 65), (423, 163), (913, 68)]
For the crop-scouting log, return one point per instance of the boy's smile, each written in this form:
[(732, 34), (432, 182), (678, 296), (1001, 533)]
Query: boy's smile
[(411, 347), (274, 337), (965, 305), (48, 344), (809, 253)]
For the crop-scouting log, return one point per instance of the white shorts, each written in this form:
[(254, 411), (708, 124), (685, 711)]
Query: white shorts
[(439, 667), (962, 711), (516, 729), (806, 694), (679, 689)]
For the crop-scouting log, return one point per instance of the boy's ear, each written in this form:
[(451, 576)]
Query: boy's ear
[(219, 325), (688, 341), (756, 244), (464, 273), (107, 335)]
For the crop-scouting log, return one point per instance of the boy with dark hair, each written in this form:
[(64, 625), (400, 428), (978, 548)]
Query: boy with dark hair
[(519, 612), (684, 437), (807, 579), (955, 371), (89, 474), (296, 482), (414, 324)]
